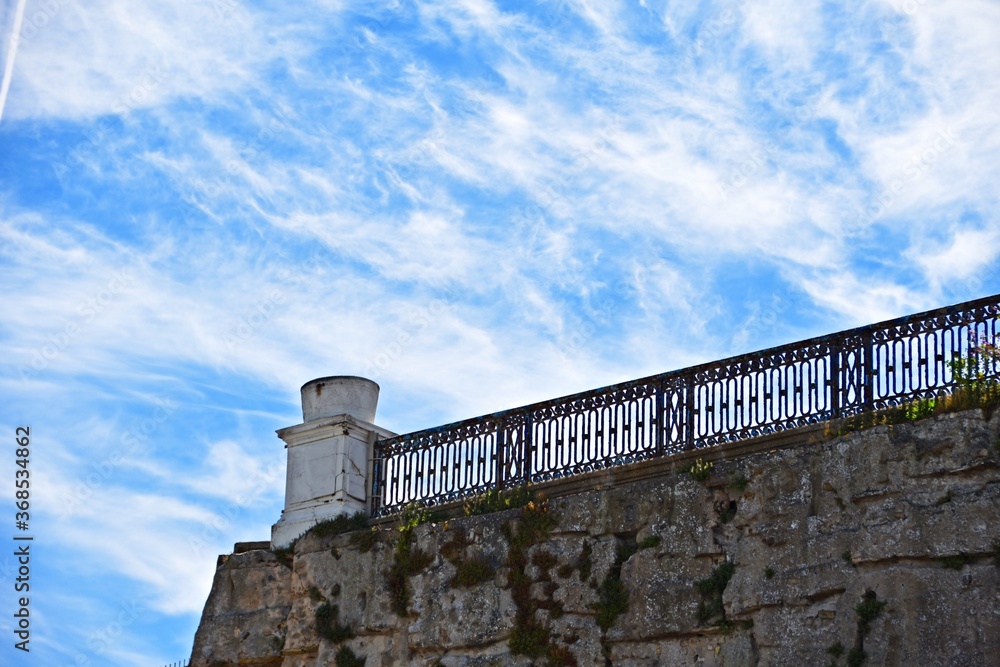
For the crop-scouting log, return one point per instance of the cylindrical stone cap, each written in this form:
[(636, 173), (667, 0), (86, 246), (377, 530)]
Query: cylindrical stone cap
[(338, 395)]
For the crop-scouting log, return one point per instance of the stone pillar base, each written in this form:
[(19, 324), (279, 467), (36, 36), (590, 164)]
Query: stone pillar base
[(329, 473)]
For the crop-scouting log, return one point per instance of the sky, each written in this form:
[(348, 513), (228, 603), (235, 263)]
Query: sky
[(477, 204)]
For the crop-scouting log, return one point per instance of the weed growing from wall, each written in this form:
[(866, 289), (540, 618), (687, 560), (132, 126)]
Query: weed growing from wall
[(530, 637), (469, 569), (738, 481), (867, 611), (328, 624), (955, 561), (836, 650), (346, 658), (650, 542), (711, 589), (700, 471), (612, 597), (365, 540), (498, 500), (977, 387), (285, 555), (342, 523), (407, 559)]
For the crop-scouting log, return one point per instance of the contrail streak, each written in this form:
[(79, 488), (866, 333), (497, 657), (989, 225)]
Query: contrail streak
[(15, 37)]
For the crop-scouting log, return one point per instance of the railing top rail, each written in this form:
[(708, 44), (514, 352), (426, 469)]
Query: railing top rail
[(944, 311)]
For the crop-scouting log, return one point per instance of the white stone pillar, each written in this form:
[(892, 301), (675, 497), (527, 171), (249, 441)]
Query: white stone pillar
[(329, 455)]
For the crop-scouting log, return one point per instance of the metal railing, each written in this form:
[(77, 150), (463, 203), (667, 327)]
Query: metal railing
[(832, 376)]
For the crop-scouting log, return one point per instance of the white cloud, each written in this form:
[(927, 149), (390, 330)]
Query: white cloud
[(963, 255), (115, 56), (788, 31), (862, 301)]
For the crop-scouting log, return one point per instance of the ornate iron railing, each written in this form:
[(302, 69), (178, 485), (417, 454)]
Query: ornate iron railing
[(832, 376)]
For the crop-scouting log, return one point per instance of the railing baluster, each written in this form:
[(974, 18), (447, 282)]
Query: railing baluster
[(689, 412), (833, 379), (501, 455), (868, 373), (660, 423)]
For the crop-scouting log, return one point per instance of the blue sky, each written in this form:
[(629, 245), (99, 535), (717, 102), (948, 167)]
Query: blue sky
[(477, 204)]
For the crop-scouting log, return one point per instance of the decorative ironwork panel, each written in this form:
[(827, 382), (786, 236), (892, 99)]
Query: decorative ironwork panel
[(785, 387)]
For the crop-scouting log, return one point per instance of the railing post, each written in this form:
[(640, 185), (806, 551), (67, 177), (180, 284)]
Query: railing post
[(501, 473), (834, 380), (868, 367), (659, 421), (689, 408), (528, 449), (377, 476)]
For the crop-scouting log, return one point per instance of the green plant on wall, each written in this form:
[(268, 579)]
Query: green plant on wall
[(612, 597), (700, 471), (328, 624), (285, 555), (531, 637), (738, 481), (976, 386), (346, 658), (342, 523), (711, 589), (650, 542), (867, 611), (498, 500), (470, 569), (955, 561), (975, 372), (407, 559), (365, 540)]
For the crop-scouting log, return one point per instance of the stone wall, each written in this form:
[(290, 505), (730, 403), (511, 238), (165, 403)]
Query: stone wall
[(898, 524)]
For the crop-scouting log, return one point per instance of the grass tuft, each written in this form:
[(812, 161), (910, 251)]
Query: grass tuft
[(498, 500), (955, 561), (343, 523), (328, 624)]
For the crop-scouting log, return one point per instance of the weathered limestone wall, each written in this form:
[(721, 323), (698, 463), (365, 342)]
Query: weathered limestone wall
[(815, 527)]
